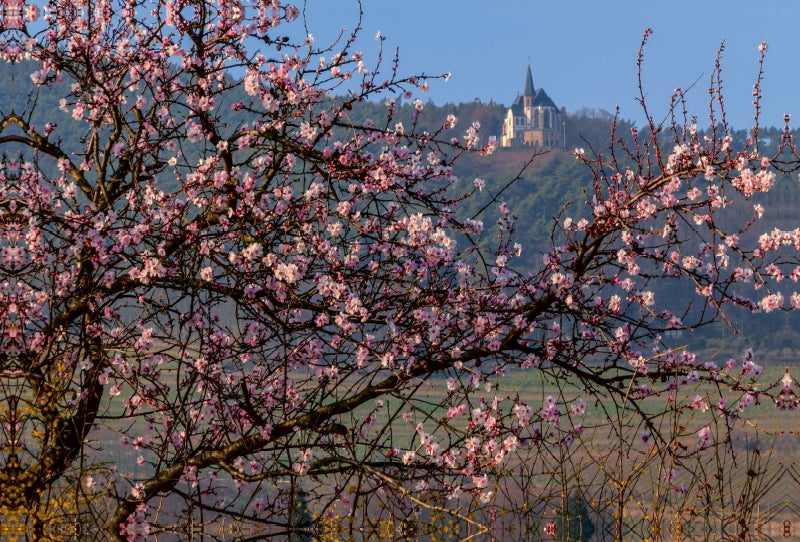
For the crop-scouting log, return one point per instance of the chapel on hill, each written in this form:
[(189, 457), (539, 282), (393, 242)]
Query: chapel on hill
[(533, 120)]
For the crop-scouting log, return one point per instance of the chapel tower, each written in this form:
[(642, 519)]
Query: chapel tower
[(533, 119)]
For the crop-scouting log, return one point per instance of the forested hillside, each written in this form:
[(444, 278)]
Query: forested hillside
[(542, 188), (539, 187)]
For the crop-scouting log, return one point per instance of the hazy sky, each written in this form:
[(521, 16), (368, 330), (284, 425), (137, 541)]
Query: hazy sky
[(583, 52)]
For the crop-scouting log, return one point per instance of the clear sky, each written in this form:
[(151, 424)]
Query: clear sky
[(583, 52)]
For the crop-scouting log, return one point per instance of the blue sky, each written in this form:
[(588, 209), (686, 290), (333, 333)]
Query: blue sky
[(583, 52)]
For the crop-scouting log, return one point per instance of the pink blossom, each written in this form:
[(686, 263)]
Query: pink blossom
[(194, 133), (772, 302)]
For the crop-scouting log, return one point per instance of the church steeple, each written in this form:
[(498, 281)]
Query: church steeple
[(533, 119), (530, 90), (529, 93)]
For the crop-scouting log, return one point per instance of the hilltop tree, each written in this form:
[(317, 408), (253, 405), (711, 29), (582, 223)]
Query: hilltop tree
[(274, 323)]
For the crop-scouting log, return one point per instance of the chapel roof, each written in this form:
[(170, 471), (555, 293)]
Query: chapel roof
[(542, 99)]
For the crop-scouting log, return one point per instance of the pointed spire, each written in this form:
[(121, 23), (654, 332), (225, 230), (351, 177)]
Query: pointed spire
[(529, 88)]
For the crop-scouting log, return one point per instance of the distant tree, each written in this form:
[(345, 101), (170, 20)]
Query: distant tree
[(573, 523), (197, 313), (590, 129), (301, 519)]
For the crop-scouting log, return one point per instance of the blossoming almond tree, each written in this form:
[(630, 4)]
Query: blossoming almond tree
[(224, 304)]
